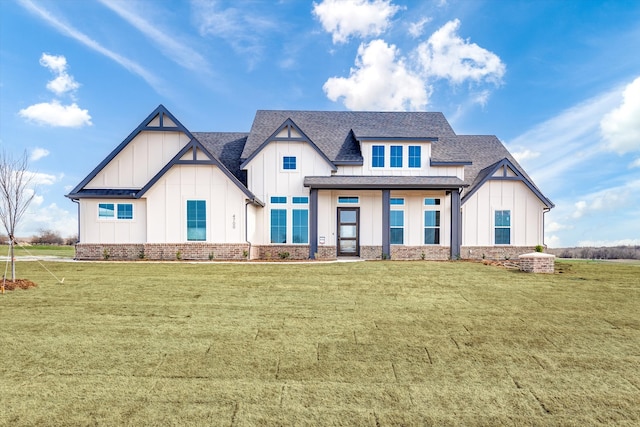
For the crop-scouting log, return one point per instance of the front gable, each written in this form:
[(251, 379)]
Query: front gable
[(288, 132)]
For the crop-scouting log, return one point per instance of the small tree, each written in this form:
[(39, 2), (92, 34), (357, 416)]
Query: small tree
[(15, 196)]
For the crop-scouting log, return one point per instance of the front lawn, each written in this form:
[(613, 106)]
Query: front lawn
[(61, 251), (368, 343)]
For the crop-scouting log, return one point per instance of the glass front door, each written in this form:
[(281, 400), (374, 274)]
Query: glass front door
[(348, 240)]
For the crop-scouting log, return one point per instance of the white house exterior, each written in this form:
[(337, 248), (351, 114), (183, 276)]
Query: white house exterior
[(307, 185)]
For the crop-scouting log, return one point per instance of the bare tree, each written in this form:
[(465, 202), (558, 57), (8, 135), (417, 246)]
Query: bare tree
[(15, 196)]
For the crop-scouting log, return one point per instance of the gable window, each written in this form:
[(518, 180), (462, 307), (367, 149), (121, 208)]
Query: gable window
[(125, 211), (106, 210), (289, 163), (415, 160), (396, 222), (502, 227), (196, 220), (278, 226), (432, 227), (348, 199), (396, 156), (377, 156)]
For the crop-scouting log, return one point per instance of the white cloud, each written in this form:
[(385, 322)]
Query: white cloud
[(609, 199), (554, 226), (552, 241), (38, 153), (39, 178), (244, 29), (635, 163), (55, 114), (621, 127), (181, 53), (380, 81), (580, 207), (446, 55), (416, 29), (346, 18), (50, 217), (63, 82), (525, 154), (70, 31)]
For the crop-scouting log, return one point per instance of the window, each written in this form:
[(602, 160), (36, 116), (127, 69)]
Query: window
[(348, 199), (377, 156), (115, 211), (396, 156), (196, 220), (431, 202), (432, 227), (502, 227), (300, 226), (415, 160), (300, 200), (278, 199), (278, 226), (396, 201), (125, 211), (106, 210), (396, 221), (289, 163)]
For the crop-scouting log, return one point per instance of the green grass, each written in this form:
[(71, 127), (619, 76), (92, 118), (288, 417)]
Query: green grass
[(370, 343), (61, 251)]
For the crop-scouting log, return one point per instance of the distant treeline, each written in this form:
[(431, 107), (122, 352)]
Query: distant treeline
[(608, 252)]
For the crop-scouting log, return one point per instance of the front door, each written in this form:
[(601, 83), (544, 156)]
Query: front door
[(348, 231)]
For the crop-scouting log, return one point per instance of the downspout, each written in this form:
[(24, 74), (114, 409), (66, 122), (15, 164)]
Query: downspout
[(247, 202), (78, 238), (544, 211)]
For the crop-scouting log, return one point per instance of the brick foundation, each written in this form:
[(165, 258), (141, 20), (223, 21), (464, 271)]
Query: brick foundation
[(276, 252), (434, 253), (162, 251), (537, 262), (497, 253)]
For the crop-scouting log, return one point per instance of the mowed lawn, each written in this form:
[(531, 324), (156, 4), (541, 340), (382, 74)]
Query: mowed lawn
[(367, 344)]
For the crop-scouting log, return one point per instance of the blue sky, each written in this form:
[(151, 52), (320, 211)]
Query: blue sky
[(557, 81)]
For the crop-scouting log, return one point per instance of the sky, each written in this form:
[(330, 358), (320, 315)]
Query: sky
[(558, 82)]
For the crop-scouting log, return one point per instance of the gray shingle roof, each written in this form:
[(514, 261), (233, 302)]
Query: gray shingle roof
[(330, 130), (226, 147)]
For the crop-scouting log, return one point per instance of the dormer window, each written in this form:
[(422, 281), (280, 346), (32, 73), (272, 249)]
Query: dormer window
[(396, 156), (377, 156), (415, 156)]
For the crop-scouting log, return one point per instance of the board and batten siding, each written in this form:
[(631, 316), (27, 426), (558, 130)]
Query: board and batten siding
[(167, 205), (140, 160), (112, 230), (526, 214)]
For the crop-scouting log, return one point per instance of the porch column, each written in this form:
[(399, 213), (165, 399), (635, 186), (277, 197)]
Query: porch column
[(456, 225), (313, 223), (386, 228)]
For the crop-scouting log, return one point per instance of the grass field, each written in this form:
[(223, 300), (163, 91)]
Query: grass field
[(369, 343), (61, 251)]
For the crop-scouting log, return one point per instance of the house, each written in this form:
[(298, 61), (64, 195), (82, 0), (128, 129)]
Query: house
[(307, 185)]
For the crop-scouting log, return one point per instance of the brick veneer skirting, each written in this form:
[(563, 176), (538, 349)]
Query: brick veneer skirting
[(162, 251), (494, 252), (436, 253)]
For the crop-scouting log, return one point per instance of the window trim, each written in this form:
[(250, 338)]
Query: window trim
[(437, 227), (287, 162), (294, 226), (411, 164), (396, 227), (395, 160), (348, 200), (380, 157), (280, 211)]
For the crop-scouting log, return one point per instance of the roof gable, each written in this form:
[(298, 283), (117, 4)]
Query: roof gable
[(287, 131), (507, 171)]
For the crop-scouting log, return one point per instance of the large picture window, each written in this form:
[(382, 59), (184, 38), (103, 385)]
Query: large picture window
[(196, 220), (300, 226), (502, 227), (278, 226)]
